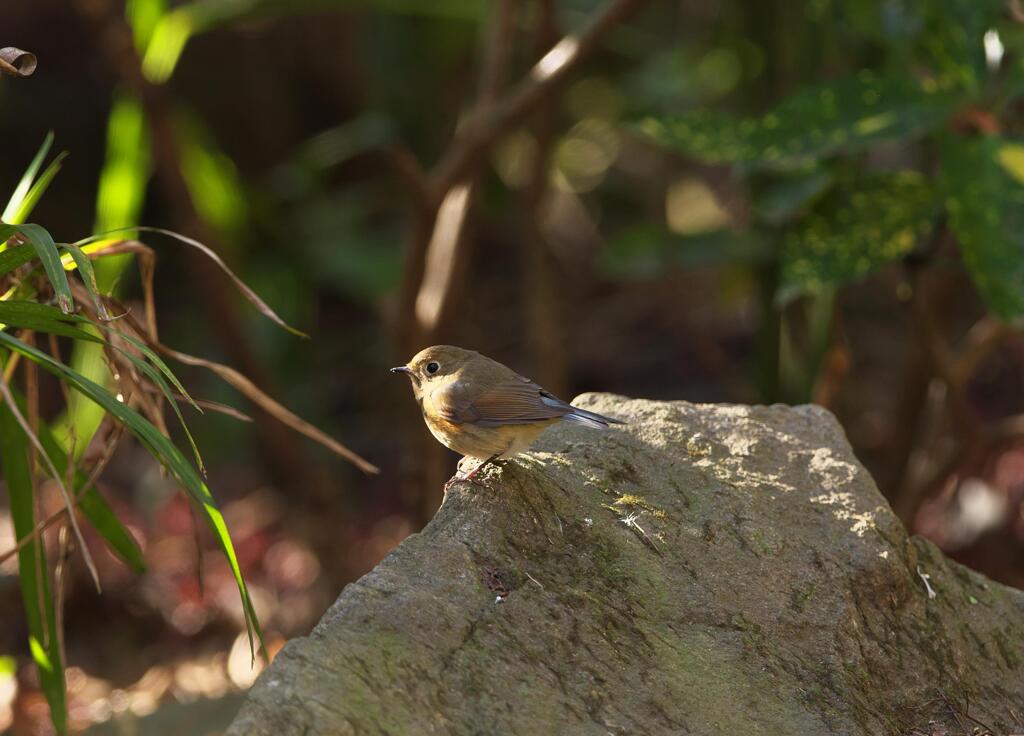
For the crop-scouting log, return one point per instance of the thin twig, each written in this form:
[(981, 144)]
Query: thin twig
[(57, 516), (283, 455), (254, 394), (69, 504), (448, 246), (543, 287), (60, 576), (411, 176), (488, 124)]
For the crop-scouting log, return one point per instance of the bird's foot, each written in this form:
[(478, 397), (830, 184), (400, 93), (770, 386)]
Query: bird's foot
[(460, 478), (470, 476)]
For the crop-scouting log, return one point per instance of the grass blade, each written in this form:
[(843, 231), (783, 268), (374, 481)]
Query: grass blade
[(27, 315), (46, 249), (38, 189), (165, 452), (6, 231), (248, 293), (32, 571), (88, 275), (158, 380), (12, 258), (57, 477), (105, 521), (157, 361), (279, 412), (25, 184), (44, 318), (95, 508)]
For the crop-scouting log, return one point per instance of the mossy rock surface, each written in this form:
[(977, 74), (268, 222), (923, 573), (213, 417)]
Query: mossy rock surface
[(702, 570)]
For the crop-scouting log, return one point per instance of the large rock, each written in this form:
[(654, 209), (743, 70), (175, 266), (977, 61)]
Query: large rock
[(703, 570)]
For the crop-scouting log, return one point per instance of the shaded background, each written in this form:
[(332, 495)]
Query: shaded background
[(312, 145)]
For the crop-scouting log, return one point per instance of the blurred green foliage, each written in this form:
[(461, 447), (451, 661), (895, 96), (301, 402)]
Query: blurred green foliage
[(846, 172), (798, 147)]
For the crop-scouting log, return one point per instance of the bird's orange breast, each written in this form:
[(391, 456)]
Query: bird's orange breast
[(484, 442)]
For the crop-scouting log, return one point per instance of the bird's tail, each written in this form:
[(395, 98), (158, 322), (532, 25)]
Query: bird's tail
[(590, 418)]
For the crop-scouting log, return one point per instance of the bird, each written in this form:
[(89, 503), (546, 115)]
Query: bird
[(483, 409)]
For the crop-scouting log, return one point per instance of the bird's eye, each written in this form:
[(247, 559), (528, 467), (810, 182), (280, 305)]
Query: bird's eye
[(433, 367)]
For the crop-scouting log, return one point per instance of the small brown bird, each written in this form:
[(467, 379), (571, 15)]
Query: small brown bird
[(483, 409)]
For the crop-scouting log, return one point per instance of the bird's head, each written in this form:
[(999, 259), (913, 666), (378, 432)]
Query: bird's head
[(434, 363)]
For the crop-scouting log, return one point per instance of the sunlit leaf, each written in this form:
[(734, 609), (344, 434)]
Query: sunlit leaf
[(846, 115), (25, 183), (856, 229), (161, 448), (38, 188), (119, 199), (122, 184), (212, 179), (88, 277), (176, 27), (144, 16), (33, 573), (43, 318), (985, 201)]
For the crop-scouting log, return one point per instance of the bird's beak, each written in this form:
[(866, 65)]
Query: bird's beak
[(409, 372)]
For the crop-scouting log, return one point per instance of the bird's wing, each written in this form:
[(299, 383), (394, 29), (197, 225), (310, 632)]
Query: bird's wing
[(514, 400)]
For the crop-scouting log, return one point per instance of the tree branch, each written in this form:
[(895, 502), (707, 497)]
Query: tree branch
[(490, 122)]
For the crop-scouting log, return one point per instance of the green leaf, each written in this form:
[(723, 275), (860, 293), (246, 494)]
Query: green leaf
[(156, 360), (951, 40), (122, 185), (856, 229), (175, 28), (12, 258), (212, 179), (790, 196), (44, 318), (88, 275), (119, 198), (29, 315), (158, 379), (647, 250), (38, 189), (33, 573), (163, 450), (984, 181), (143, 16), (846, 115), (25, 184), (46, 249), (94, 507), (102, 517)]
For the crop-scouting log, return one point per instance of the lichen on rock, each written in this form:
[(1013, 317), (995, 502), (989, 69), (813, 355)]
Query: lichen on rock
[(700, 570)]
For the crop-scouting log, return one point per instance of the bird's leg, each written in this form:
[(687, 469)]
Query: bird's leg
[(472, 474)]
